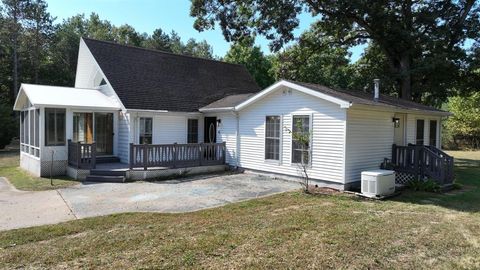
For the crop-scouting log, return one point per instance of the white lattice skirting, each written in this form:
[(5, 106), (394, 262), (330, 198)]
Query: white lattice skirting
[(403, 178)]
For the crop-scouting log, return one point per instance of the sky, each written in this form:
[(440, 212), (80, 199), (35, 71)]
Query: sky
[(147, 15)]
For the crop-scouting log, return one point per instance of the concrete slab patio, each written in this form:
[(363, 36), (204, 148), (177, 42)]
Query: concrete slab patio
[(26, 209)]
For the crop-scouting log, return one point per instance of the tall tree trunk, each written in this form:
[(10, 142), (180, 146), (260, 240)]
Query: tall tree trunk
[(406, 77), (15, 65)]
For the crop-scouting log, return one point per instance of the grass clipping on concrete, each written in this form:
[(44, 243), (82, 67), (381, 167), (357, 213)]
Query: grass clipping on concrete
[(291, 230), (22, 180)]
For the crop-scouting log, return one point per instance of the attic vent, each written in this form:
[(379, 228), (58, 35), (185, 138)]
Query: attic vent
[(103, 82)]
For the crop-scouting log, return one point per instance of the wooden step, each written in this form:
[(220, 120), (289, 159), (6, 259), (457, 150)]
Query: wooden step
[(105, 172), (107, 159), (105, 178)]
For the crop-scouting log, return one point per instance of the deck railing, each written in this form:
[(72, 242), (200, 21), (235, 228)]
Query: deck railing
[(176, 155), (423, 161), (82, 155)]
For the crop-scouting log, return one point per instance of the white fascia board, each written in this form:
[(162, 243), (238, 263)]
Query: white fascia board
[(268, 90), (16, 105), (223, 109), (386, 108)]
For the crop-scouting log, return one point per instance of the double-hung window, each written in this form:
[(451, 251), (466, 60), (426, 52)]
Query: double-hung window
[(54, 126), (145, 130), (192, 131), (272, 137), (301, 139)]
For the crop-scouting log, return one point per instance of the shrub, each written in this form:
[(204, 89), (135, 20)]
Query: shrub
[(428, 185)]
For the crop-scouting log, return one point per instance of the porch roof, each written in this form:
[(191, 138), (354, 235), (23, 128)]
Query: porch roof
[(64, 97)]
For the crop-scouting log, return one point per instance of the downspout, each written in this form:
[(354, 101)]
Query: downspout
[(237, 140)]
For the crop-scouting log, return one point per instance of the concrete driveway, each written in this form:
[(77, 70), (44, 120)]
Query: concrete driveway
[(24, 209)]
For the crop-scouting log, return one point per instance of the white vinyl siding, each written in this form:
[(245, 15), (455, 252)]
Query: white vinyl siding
[(124, 136), (369, 140), (226, 132), (328, 130)]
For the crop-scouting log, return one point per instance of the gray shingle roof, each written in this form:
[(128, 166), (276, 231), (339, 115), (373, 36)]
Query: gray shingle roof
[(228, 102), (354, 97), (357, 97), (155, 80)]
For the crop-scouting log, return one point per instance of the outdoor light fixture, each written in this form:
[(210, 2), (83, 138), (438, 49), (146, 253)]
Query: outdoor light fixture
[(396, 122), (219, 121)]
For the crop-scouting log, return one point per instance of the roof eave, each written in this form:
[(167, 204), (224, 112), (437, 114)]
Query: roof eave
[(401, 110), (219, 109)]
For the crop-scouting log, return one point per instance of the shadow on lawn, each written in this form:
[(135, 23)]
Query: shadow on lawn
[(467, 199)]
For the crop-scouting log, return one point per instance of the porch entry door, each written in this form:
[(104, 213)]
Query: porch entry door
[(104, 133), (399, 129), (83, 127), (210, 130)]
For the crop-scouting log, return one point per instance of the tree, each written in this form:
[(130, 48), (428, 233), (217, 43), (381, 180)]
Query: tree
[(158, 41), (254, 61), (464, 124), (421, 40), (14, 18), (302, 138), (39, 31), (313, 62)]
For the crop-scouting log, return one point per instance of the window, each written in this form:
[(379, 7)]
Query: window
[(54, 127), (83, 127), (433, 133), (420, 132), (272, 137), (300, 151), (192, 131), (145, 130)]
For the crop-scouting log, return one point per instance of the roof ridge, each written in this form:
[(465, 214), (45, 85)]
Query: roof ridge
[(162, 52)]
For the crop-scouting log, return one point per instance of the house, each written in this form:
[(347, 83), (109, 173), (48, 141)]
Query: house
[(154, 111)]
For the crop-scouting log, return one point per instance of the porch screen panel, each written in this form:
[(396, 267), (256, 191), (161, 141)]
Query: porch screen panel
[(26, 130), (272, 137), (32, 129), (22, 120), (37, 128), (420, 132)]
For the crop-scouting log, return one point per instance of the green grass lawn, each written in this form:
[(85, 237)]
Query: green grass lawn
[(290, 230), (9, 162)]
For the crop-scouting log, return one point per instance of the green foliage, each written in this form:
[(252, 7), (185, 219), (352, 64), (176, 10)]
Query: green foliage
[(254, 60), (427, 185), (464, 126), (421, 42), (310, 61), (9, 127)]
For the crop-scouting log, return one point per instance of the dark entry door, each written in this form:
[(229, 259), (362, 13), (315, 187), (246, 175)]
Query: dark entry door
[(104, 133), (210, 130)]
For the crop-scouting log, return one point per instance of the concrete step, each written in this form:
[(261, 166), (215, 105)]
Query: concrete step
[(108, 159), (103, 172), (105, 178)]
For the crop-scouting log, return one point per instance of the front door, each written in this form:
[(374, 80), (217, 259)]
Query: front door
[(399, 129), (104, 133), (210, 130)]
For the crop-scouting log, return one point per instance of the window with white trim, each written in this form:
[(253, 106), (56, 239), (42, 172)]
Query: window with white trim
[(433, 133), (54, 126), (272, 137), (301, 151), (145, 130), (192, 131)]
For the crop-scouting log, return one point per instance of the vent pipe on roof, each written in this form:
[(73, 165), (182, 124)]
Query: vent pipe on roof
[(376, 83)]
